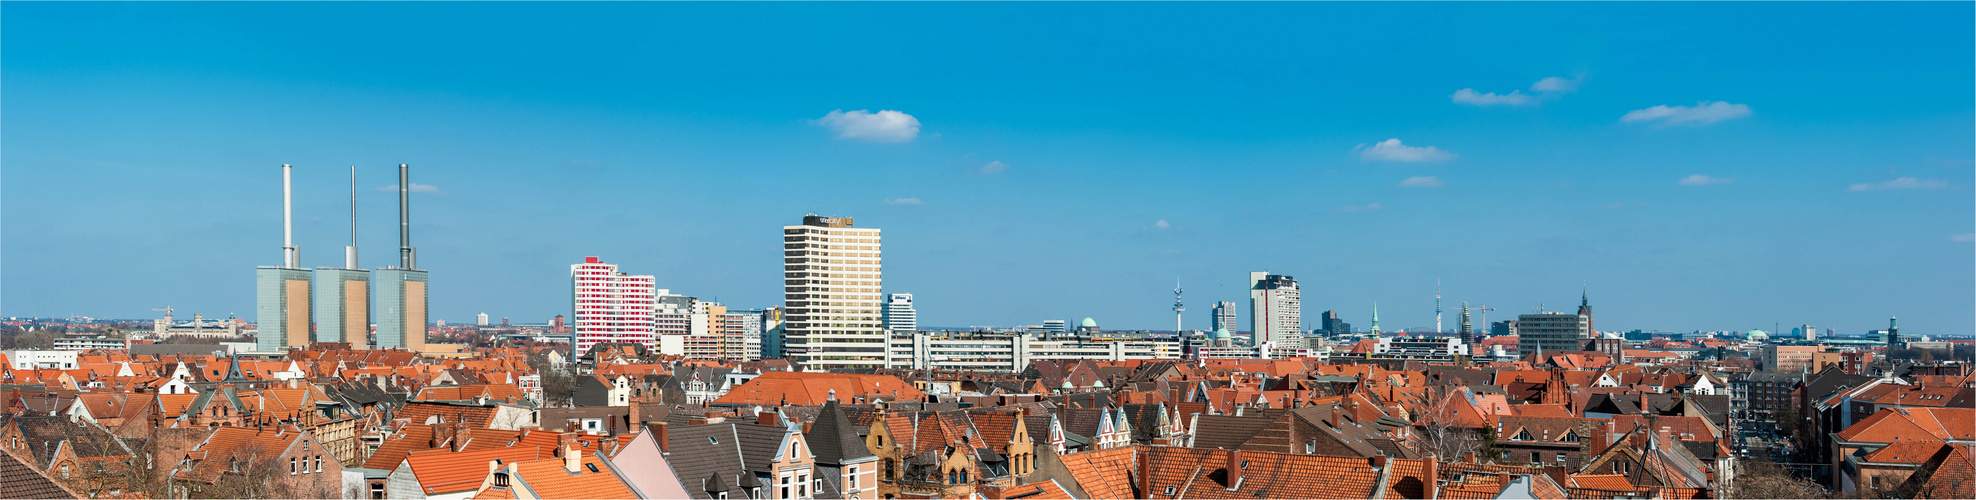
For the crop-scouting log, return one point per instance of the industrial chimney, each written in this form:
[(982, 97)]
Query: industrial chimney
[(350, 252), (407, 256), (291, 255)]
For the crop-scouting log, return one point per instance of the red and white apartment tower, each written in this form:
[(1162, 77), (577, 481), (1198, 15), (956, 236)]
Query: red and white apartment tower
[(610, 306)]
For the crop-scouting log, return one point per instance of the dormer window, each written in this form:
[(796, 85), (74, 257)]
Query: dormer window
[(500, 480)]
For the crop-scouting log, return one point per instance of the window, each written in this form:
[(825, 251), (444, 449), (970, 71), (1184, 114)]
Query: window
[(785, 487), (318, 463), (377, 491), (721, 496), (1169, 491), (755, 493), (1310, 448), (1621, 466), (500, 480), (1536, 457), (291, 466), (854, 477), (1569, 437)]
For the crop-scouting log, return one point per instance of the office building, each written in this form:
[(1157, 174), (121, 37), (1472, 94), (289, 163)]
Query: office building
[(282, 293), (1223, 317), (833, 289), (342, 295), (480, 319), (1012, 352), (1332, 326), (400, 291), (744, 333), (610, 306), (899, 313), (1275, 310), (1504, 327), (1056, 325), (707, 331), (1551, 332), (672, 321), (773, 334)]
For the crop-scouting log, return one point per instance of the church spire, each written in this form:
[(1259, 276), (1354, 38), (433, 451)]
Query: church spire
[(1375, 320)]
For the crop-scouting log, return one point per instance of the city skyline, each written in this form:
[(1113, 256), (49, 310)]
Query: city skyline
[(1686, 186)]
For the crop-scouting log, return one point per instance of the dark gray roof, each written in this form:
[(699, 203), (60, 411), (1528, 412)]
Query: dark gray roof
[(833, 439), (1228, 431), (697, 452), (19, 480)]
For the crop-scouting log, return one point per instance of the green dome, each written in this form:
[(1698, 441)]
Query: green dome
[(1758, 335), (1221, 333), (1088, 322)]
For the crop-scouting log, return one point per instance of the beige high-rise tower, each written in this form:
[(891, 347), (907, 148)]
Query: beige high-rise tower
[(833, 291)]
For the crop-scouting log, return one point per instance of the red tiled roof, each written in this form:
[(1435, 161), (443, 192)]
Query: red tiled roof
[(814, 389), (1904, 452), (1609, 482), (448, 472)]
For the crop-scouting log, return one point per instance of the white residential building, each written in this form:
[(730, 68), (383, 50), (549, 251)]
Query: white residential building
[(833, 287), (1275, 310), (899, 313), (610, 306)]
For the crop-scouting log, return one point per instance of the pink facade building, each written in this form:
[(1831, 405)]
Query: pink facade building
[(610, 306)]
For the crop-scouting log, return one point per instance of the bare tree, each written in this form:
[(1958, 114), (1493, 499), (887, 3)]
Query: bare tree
[(1762, 479), (1441, 430)]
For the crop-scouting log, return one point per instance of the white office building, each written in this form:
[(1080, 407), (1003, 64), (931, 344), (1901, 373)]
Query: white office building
[(1275, 310), (1013, 352), (833, 287), (480, 319), (610, 306), (899, 313)]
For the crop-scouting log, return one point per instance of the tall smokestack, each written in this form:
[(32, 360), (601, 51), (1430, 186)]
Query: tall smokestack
[(350, 252), (407, 257), (291, 256)]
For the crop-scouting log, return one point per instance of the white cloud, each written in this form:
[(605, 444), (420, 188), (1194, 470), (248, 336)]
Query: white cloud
[(414, 187), (1557, 85), (1422, 182), (1703, 180), (1358, 208), (994, 167), (1900, 183), (903, 201), (883, 126), (1965, 237), (1704, 112), (1513, 98), (1392, 150), (1548, 88), (1162, 224)]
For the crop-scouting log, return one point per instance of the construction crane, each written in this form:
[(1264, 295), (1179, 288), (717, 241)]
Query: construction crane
[(168, 315)]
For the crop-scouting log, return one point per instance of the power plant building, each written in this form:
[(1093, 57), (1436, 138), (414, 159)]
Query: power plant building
[(402, 303), (342, 294), (281, 293)]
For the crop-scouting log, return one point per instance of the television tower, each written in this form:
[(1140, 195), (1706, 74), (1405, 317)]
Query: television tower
[(1437, 306), (1177, 307)]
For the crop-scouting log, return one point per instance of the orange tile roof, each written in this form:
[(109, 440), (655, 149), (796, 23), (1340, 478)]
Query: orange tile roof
[(1609, 482), (1904, 452), (1102, 473), (1041, 490), (814, 389), (448, 472), (1903, 424), (548, 479)]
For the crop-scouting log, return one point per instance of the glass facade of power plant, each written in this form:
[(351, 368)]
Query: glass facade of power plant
[(342, 305), (401, 308), (281, 307)]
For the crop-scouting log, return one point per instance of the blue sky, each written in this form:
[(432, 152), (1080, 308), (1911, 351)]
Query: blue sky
[(1695, 165)]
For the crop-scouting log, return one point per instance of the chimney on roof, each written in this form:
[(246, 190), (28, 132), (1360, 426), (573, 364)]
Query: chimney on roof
[(662, 433), (572, 459), (565, 441), (460, 435), (1236, 468)]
